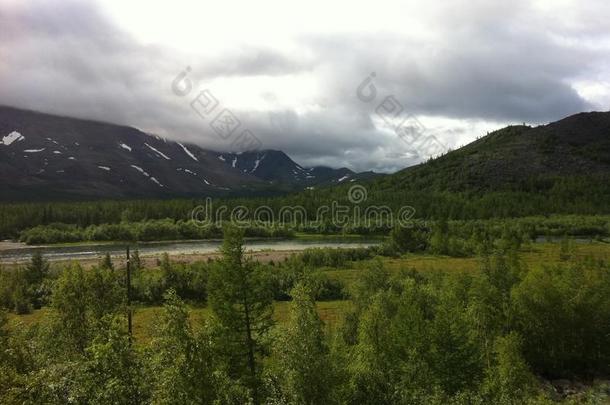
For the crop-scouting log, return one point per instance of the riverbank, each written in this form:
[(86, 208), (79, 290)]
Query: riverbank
[(276, 249)]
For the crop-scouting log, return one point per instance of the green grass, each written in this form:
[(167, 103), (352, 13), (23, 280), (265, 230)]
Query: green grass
[(144, 318), (533, 256)]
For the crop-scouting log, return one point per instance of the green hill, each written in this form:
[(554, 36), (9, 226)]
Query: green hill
[(562, 167), (518, 158)]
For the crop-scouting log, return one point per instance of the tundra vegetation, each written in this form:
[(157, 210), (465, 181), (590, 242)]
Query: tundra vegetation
[(451, 312)]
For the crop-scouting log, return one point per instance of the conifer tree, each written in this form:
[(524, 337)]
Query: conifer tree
[(106, 262), (241, 301)]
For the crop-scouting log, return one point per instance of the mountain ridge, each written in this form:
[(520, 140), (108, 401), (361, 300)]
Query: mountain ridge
[(45, 156)]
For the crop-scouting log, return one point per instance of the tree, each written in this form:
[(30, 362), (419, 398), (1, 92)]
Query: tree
[(37, 269), (375, 359), (562, 313), (304, 368), (113, 370), (70, 298), (404, 239), (80, 300), (35, 274), (171, 278), (241, 301), (136, 262), (9, 377), (454, 358), (105, 292), (14, 292), (439, 240), (509, 380), (372, 279), (183, 363), (106, 262), (21, 296)]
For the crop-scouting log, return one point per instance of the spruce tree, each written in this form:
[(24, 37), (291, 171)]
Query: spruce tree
[(106, 262), (37, 269), (34, 275)]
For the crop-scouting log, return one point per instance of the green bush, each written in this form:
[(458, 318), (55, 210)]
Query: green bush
[(562, 313)]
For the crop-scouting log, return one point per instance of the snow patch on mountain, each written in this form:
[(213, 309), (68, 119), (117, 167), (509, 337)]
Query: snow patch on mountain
[(164, 156), (126, 147), (56, 152), (342, 179), (12, 137), (234, 162), (222, 158), (188, 152), (157, 181), (34, 150), (186, 171), (257, 162), (104, 168), (138, 168)]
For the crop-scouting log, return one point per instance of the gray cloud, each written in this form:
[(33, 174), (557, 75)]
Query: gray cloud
[(490, 64)]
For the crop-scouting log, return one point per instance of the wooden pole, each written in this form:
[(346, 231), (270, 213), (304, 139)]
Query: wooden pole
[(129, 293)]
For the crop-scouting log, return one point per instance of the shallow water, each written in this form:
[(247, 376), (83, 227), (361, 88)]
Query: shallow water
[(173, 248)]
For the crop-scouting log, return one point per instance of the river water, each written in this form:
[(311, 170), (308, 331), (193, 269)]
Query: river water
[(92, 251)]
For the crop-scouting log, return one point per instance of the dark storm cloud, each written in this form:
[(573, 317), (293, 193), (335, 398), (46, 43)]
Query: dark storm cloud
[(508, 76), (493, 63)]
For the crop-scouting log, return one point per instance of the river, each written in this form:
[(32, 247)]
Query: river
[(92, 251)]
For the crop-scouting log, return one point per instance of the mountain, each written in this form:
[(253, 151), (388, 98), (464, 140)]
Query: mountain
[(45, 156), (277, 168), (517, 158)]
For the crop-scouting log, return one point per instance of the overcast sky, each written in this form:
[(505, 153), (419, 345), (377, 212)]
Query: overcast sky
[(290, 71)]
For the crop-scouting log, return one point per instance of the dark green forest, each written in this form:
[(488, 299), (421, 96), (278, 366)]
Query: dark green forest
[(169, 219)]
